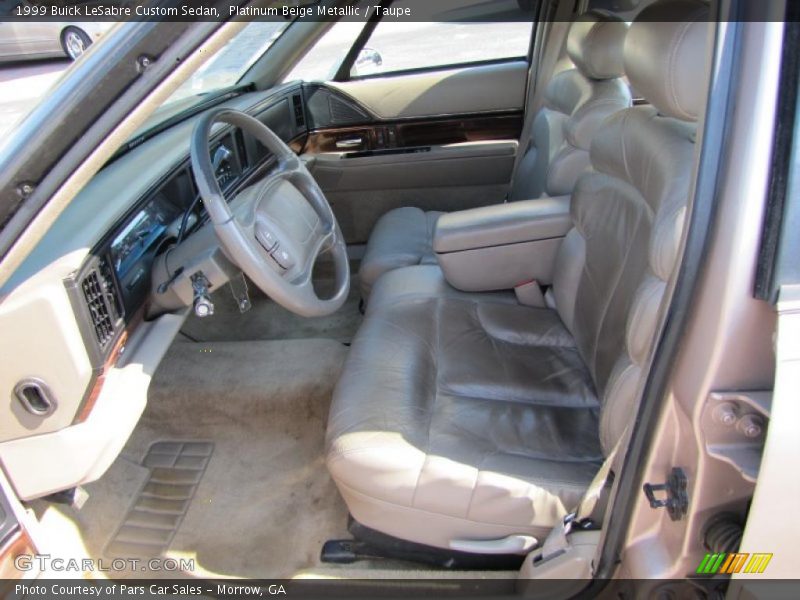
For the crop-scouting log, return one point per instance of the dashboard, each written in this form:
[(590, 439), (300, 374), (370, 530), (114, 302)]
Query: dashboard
[(172, 209), (170, 213), (134, 211)]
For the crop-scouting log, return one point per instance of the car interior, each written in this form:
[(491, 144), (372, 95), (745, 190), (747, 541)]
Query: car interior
[(386, 325)]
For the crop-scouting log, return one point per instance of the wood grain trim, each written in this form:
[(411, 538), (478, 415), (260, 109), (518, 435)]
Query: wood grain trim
[(298, 143), (19, 543), (427, 132)]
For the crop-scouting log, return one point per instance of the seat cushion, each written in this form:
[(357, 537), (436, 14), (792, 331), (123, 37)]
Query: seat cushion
[(401, 238), (461, 416)]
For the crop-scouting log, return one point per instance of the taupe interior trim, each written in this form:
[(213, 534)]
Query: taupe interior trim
[(502, 224), (462, 90)]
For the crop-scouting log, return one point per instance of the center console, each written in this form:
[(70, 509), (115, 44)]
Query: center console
[(502, 246)]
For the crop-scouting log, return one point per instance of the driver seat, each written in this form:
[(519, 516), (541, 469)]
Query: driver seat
[(463, 420)]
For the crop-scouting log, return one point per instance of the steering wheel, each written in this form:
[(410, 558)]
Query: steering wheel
[(275, 229)]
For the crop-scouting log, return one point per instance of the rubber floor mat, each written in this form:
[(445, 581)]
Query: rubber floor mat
[(176, 468)]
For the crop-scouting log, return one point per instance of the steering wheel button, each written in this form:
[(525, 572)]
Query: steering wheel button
[(267, 239), (283, 258)]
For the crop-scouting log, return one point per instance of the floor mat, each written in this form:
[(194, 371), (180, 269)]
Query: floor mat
[(176, 468)]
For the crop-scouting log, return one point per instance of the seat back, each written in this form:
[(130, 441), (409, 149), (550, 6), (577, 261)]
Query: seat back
[(576, 101), (629, 212)]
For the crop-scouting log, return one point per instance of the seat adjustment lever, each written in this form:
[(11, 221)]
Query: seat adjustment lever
[(512, 544)]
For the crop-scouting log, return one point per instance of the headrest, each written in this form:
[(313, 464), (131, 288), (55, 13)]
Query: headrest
[(595, 45), (665, 51)]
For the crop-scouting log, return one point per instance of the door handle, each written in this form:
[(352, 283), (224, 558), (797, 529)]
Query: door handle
[(349, 143), (35, 397)]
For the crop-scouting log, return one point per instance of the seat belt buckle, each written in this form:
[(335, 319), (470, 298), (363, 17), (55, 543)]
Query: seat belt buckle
[(574, 521), (529, 293), (568, 522), (557, 542)]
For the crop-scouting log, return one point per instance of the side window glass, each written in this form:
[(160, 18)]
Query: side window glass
[(401, 46), (475, 32), (323, 60)]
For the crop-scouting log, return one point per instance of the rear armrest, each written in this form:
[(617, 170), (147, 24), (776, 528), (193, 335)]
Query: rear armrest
[(501, 246)]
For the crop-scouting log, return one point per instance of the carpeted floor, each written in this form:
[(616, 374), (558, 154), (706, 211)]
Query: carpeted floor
[(266, 503), (267, 320)]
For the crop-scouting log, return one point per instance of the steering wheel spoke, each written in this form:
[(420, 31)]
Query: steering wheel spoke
[(276, 229)]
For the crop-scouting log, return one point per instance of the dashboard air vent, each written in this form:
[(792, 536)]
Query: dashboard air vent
[(299, 117), (101, 299)]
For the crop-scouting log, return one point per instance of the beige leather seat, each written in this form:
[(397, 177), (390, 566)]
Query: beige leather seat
[(463, 416), (575, 102)]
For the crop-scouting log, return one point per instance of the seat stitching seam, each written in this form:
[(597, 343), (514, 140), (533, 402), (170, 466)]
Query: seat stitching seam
[(548, 480), (610, 296), (498, 452), (337, 455), (440, 514), (434, 356), (671, 56), (539, 403), (541, 337), (623, 126), (406, 298), (477, 317)]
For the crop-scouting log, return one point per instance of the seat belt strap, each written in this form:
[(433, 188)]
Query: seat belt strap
[(590, 509), (593, 503)]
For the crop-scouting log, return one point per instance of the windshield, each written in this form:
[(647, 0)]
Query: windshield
[(224, 69)]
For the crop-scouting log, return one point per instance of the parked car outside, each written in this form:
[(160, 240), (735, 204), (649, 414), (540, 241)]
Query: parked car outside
[(25, 40)]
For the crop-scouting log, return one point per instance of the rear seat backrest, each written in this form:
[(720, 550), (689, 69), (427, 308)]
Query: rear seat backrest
[(629, 214), (576, 101)]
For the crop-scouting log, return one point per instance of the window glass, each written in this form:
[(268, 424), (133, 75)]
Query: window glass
[(232, 60), (323, 60), (453, 32), (397, 46)]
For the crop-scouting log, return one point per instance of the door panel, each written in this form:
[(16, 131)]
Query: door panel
[(458, 91), (437, 140), (361, 188)]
